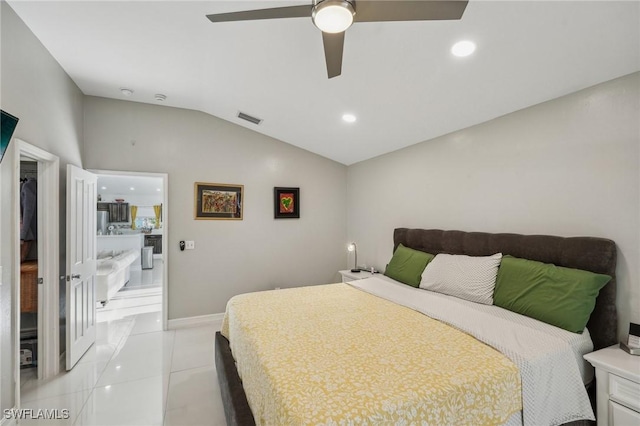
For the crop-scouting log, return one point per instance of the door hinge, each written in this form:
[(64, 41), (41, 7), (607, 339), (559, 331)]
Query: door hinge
[(40, 280)]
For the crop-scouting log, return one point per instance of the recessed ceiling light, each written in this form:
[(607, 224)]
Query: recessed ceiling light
[(126, 92), (463, 48), (132, 188), (349, 118), (160, 97), (158, 189), (103, 188)]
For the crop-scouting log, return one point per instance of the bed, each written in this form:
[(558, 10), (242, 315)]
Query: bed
[(590, 254), (112, 272)]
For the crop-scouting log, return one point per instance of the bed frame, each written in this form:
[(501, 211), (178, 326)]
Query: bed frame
[(588, 253)]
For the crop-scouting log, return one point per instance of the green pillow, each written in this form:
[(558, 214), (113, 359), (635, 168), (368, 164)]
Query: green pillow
[(407, 265), (559, 296)]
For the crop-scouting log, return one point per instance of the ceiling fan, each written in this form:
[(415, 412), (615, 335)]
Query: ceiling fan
[(333, 17)]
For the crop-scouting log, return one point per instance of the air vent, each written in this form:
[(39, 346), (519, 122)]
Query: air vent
[(249, 118)]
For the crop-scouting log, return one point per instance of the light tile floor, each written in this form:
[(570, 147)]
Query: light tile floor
[(149, 377), (135, 373)]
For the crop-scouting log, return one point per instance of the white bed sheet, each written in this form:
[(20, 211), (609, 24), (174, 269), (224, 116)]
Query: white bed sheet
[(581, 344), (553, 390)]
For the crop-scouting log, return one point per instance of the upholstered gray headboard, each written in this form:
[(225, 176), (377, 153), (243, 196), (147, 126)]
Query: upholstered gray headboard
[(587, 253)]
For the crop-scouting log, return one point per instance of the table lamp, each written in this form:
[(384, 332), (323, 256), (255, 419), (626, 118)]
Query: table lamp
[(352, 247)]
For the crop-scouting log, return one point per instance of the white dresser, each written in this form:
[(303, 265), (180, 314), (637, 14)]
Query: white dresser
[(618, 386)]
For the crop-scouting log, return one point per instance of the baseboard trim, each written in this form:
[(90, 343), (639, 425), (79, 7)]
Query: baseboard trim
[(214, 320)]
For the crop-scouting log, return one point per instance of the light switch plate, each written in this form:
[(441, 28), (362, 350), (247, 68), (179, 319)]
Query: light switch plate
[(190, 245)]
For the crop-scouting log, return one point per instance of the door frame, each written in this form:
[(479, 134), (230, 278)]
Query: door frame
[(48, 260), (165, 231)]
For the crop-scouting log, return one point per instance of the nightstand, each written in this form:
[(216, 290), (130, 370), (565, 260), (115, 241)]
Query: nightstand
[(347, 275), (617, 386)]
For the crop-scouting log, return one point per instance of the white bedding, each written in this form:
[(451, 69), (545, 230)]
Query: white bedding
[(552, 384)]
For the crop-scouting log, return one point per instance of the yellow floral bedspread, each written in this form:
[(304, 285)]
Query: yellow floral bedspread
[(335, 355)]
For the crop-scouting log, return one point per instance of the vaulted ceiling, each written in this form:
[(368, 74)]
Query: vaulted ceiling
[(399, 79)]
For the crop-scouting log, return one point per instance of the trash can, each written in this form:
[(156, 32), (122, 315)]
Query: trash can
[(147, 257)]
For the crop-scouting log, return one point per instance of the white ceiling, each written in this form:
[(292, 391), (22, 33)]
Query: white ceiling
[(398, 78)]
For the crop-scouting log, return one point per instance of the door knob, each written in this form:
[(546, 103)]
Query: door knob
[(74, 276)]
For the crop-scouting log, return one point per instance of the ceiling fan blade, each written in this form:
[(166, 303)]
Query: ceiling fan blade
[(403, 10), (333, 46), (303, 11)]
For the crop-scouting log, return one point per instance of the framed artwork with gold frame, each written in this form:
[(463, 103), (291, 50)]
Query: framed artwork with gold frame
[(218, 201), (286, 203)]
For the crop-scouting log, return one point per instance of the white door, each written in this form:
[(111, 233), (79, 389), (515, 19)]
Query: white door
[(81, 262)]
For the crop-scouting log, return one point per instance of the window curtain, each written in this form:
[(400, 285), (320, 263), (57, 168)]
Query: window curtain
[(157, 209), (134, 213)]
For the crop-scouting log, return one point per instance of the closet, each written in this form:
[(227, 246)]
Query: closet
[(28, 264)]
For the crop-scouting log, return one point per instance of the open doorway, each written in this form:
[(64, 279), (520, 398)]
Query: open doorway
[(131, 239), (28, 283), (35, 264)]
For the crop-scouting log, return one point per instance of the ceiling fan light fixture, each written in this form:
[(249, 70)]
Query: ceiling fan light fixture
[(333, 16)]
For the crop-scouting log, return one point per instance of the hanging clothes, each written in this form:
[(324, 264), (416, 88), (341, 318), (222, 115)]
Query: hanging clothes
[(28, 219), (29, 209)]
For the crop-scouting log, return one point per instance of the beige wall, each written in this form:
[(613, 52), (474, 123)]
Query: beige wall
[(231, 257), (37, 90), (566, 167)]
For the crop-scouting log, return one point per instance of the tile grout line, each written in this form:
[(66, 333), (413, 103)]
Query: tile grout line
[(166, 402), (102, 372)]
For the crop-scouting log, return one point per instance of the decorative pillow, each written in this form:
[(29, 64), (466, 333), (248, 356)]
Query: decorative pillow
[(471, 278), (407, 265), (559, 296)]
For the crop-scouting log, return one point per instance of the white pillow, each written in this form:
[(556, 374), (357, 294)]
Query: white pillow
[(468, 277)]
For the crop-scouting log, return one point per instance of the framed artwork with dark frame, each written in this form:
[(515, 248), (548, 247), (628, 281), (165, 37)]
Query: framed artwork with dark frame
[(286, 203), (218, 201)]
